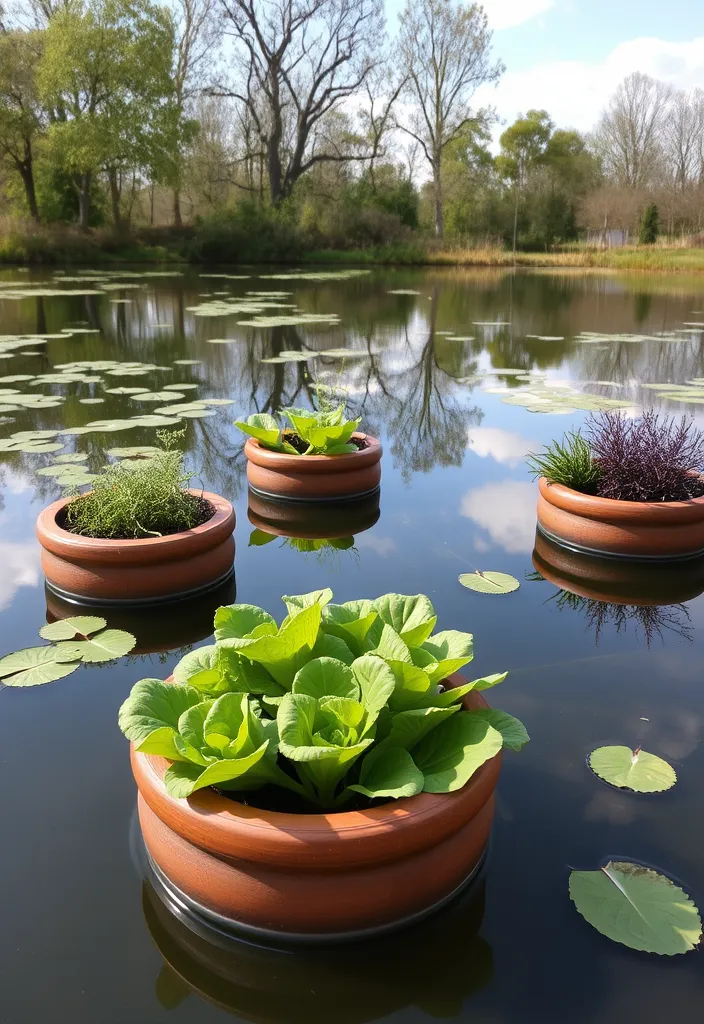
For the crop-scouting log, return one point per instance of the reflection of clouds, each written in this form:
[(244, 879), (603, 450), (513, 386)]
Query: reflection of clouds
[(506, 510), (673, 734), (20, 568), (384, 546), (17, 483), (613, 808), (501, 445)]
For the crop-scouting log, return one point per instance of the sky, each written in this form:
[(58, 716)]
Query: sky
[(568, 56)]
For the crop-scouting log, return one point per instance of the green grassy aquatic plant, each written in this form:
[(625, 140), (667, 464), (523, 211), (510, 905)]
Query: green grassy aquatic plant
[(337, 703), (136, 498), (569, 462)]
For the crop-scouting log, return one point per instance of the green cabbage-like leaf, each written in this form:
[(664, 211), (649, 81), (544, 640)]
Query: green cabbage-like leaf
[(413, 686), (154, 704), (514, 733), (376, 682), (389, 772), (241, 675), (263, 428), (451, 650), (183, 779), (201, 668), (240, 620), (452, 753), (409, 727), (413, 618), (326, 677), (299, 601), (390, 646), (453, 694), (349, 624), (282, 653), (329, 646)]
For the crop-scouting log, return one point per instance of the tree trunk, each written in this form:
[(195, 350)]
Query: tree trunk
[(26, 169), (515, 219), (84, 184), (437, 190), (115, 197), (177, 207)]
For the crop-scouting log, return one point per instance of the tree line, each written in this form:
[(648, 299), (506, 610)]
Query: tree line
[(285, 118)]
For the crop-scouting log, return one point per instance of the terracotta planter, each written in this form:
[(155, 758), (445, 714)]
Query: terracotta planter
[(314, 877), (300, 985), (314, 477), (618, 581), (86, 569), (313, 520), (168, 626), (628, 529)]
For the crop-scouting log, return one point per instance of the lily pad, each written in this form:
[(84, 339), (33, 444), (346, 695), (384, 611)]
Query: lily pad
[(36, 665), (111, 643), (138, 451), (156, 396), (125, 391), (637, 907), (489, 582), (636, 770), (66, 629), (343, 353), (71, 457), (187, 362)]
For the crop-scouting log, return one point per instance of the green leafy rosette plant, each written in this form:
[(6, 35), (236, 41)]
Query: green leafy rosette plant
[(308, 432), (336, 703)]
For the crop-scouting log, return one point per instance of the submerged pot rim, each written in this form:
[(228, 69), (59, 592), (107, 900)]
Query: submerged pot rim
[(592, 506), (229, 828), (69, 545)]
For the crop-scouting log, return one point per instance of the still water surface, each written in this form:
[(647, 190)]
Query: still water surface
[(84, 940)]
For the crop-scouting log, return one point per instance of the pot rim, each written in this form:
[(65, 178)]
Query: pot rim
[(315, 463), (228, 828), (594, 507), (183, 544)]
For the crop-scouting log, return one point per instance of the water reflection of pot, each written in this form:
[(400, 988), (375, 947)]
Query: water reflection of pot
[(618, 581), (96, 570), (314, 477), (161, 627), (434, 966), (313, 520)]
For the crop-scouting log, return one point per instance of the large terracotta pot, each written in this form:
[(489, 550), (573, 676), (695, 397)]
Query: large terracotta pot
[(315, 876), (618, 581), (170, 625), (313, 520), (300, 985), (314, 477), (629, 529), (87, 569)]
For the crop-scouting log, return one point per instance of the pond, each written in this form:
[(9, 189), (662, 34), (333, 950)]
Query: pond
[(460, 373)]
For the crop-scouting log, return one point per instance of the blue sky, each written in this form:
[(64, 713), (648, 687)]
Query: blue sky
[(567, 56)]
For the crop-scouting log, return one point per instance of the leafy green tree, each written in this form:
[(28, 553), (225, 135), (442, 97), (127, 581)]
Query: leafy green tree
[(21, 117), (649, 225), (106, 77), (523, 146)]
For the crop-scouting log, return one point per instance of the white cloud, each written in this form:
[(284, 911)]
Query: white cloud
[(384, 546), (501, 445), (506, 511), (509, 13), (21, 568), (575, 92)]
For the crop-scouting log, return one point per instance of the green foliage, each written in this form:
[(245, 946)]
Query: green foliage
[(138, 498), (34, 666), (336, 701), (489, 582), (636, 770), (638, 907), (308, 432), (569, 463), (649, 225), (250, 232)]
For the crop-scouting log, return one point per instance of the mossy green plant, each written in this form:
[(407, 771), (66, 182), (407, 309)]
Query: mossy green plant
[(139, 498)]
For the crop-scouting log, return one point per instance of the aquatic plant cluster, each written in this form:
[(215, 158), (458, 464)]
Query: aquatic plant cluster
[(336, 703), (652, 458)]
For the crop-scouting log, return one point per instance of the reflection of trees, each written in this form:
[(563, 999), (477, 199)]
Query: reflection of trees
[(653, 621)]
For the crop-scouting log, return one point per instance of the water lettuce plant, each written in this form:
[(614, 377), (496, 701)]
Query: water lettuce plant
[(337, 703), (308, 432)]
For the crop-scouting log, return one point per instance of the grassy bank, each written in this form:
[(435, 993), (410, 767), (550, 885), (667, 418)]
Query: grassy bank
[(23, 243)]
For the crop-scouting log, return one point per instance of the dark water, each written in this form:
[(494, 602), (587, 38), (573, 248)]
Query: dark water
[(83, 939)]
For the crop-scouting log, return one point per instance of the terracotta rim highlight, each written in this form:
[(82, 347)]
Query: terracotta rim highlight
[(631, 529)]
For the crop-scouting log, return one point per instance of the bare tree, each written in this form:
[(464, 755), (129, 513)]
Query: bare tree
[(684, 136), (195, 44), (296, 62), (629, 135), (445, 51)]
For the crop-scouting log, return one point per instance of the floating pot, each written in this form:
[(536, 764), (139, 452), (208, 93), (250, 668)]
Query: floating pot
[(618, 581), (167, 627), (417, 967), (312, 519), (92, 570), (315, 877), (646, 530), (314, 477)]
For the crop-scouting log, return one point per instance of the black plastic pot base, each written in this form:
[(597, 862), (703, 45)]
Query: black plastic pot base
[(272, 496), (82, 599), (614, 555)]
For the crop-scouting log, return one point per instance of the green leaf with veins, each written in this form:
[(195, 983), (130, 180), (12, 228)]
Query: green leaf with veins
[(388, 772), (105, 646), (413, 618), (325, 677), (452, 753), (632, 769), (514, 733), (239, 620), (66, 629)]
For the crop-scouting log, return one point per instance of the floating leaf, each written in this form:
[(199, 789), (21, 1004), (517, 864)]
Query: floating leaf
[(125, 391), (344, 353), (638, 907), (632, 769), (187, 362), (180, 387), (111, 643), (36, 665), (156, 396), (489, 582), (78, 625), (138, 451)]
